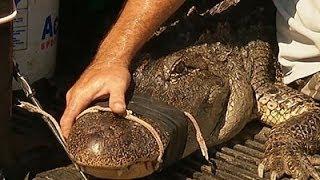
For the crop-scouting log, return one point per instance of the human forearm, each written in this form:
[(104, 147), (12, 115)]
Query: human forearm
[(108, 75), (136, 24)]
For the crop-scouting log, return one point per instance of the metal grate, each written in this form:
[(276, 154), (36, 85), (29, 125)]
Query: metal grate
[(237, 159)]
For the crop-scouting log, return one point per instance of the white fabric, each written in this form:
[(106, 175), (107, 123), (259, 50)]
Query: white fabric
[(298, 34)]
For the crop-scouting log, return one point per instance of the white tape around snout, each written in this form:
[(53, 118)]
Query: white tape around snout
[(10, 17), (155, 134)]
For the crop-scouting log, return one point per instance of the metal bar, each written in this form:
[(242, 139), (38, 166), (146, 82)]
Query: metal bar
[(233, 160), (6, 157), (236, 171), (245, 157), (254, 145), (252, 152)]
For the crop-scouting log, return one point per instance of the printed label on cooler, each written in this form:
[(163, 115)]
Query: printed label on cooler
[(20, 26), (35, 38), (20, 35), (21, 18), (21, 4)]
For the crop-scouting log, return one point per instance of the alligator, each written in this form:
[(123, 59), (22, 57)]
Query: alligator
[(225, 79)]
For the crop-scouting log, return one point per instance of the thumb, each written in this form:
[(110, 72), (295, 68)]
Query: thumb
[(117, 102)]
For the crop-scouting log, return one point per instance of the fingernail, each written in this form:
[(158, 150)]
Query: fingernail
[(119, 107)]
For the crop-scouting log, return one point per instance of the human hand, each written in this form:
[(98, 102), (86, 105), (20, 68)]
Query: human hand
[(99, 80)]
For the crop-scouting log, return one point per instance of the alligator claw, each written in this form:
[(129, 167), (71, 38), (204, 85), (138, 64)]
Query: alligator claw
[(265, 165), (274, 175), (311, 162), (286, 160), (261, 170)]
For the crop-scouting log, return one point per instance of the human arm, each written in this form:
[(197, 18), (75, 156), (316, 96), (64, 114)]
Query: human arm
[(108, 74)]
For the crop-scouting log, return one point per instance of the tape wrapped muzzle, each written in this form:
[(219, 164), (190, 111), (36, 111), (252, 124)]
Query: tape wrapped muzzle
[(173, 119)]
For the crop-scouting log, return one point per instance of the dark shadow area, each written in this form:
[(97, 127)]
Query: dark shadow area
[(82, 25)]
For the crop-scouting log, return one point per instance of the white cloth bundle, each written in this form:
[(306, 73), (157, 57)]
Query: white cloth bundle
[(298, 34)]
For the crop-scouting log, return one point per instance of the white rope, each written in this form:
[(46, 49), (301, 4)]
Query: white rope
[(35, 109), (10, 17), (151, 129), (200, 139), (131, 117), (50, 120)]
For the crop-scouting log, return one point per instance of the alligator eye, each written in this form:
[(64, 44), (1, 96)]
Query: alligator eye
[(180, 68)]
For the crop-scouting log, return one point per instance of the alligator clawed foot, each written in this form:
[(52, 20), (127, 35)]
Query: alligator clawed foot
[(287, 161)]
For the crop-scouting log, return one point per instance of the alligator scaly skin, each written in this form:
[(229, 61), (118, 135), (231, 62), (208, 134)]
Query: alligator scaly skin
[(295, 118)]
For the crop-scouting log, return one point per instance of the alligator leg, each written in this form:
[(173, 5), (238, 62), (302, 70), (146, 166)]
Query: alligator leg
[(290, 145), (294, 116)]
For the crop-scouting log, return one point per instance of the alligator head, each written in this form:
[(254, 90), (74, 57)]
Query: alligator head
[(107, 145), (199, 79)]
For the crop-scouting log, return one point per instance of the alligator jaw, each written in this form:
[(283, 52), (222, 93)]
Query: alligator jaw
[(137, 170)]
